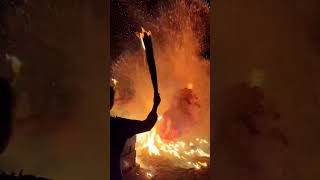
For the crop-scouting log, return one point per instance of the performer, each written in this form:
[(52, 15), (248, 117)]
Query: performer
[(123, 129)]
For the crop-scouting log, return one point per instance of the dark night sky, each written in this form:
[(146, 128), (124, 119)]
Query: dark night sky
[(123, 25)]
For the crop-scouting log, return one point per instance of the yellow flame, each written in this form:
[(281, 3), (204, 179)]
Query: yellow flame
[(150, 143), (203, 141), (204, 164), (197, 166)]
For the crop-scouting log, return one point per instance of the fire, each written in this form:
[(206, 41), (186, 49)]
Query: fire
[(181, 153), (180, 137), (149, 143), (185, 154)]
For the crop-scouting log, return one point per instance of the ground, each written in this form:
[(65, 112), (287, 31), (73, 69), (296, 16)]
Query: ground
[(172, 173), (166, 171)]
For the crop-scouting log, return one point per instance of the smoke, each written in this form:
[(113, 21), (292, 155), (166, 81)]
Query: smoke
[(178, 30)]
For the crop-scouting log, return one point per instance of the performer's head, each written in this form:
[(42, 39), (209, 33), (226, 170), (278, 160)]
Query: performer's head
[(111, 97)]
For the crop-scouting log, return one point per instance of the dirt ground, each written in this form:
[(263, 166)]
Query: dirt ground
[(163, 171), (171, 173)]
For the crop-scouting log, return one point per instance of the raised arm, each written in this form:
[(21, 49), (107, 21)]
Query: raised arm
[(133, 127)]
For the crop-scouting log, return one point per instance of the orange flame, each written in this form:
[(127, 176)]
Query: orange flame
[(150, 144)]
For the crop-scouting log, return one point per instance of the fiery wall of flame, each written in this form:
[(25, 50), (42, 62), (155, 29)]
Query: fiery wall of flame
[(178, 34)]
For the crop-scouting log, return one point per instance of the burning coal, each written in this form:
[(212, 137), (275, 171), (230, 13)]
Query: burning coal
[(182, 131)]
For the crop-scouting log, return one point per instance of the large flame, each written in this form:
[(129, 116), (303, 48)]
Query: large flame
[(184, 154)]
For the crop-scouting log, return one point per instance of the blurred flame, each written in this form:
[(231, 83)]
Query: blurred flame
[(150, 144)]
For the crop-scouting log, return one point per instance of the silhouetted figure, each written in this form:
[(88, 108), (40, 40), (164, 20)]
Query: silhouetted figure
[(6, 116), (123, 129), (6, 113), (252, 109)]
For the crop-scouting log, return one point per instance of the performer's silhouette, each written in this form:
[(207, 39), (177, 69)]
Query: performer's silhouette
[(121, 128)]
